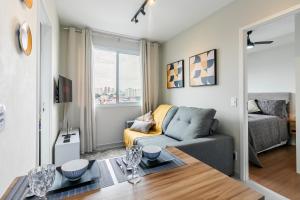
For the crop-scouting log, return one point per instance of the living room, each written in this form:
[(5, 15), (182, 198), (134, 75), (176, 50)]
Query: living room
[(166, 75)]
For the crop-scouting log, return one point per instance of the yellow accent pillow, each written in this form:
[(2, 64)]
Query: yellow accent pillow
[(159, 115)]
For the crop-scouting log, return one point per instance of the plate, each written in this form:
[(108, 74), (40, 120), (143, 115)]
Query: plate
[(164, 158), (25, 38)]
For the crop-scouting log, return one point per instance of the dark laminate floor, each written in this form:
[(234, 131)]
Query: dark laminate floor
[(279, 171)]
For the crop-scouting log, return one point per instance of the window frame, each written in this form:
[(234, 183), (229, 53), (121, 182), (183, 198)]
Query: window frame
[(118, 103)]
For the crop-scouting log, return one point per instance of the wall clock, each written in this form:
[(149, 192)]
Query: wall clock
[(25, 38)]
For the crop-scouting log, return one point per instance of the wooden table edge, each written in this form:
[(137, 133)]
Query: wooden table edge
[(189, 160)]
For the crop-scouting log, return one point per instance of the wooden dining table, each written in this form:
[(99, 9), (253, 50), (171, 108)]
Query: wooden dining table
[(194, 180)]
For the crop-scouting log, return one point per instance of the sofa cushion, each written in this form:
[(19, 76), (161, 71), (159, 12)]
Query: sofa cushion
[(160, 140), (214, 127), (190, 123), (141, 126), (169, 117), (148, 117)]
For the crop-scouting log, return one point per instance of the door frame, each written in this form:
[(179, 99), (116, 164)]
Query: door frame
[(44, 22), (243, 96)]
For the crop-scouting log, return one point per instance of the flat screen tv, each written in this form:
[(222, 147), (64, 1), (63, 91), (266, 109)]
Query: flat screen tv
[(64, 90)]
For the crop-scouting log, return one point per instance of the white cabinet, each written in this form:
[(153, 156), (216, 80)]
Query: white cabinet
[(67, 149)]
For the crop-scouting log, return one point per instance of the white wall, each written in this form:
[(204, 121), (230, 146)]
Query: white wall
[(18, 91), (110, 123), (273, 70), (56, 108), (220, 31)]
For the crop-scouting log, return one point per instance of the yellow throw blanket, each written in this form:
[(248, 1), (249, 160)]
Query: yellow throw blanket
[(159, 115)]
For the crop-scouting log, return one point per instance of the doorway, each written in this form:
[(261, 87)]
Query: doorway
[(45, 88), (246, 95)]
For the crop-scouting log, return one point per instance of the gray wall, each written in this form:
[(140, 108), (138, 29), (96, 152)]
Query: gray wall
[(220, 31), (273, 70)]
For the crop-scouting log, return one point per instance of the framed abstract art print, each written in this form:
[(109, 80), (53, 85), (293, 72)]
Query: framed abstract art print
[(203, 69), (175, 75)]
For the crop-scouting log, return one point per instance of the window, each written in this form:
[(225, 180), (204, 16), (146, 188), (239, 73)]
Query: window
[(117, 77)]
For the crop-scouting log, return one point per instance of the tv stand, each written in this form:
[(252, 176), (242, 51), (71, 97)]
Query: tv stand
[(67, 147)]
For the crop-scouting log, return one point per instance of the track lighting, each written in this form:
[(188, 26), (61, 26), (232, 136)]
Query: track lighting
[(141, 10)]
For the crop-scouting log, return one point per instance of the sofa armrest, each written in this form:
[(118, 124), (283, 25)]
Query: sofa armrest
[(128, 124), (216, 151)]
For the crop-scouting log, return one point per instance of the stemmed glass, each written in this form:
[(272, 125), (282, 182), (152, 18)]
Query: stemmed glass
[(41, 179), (134, 158), (127, 158)]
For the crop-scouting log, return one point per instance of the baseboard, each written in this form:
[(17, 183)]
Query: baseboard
[(109, 146), (269, 194), (236, 175)]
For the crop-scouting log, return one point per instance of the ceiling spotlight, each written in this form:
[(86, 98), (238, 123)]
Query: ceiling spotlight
[(151, 2), (250, 46), (142, 10)]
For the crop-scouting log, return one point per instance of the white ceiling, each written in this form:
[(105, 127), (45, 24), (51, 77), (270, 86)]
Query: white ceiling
[(164, 20), (281, 31)]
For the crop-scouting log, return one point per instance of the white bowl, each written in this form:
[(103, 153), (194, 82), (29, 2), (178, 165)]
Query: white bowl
[(151, 152), (74, 169)]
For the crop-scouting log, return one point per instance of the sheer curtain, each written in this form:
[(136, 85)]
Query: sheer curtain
[(150, 73), (81, 112)]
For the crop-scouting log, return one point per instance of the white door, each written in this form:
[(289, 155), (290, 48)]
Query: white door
[(45, 95)]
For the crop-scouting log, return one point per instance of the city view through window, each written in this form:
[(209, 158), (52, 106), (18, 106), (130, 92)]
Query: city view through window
[(117, 77)]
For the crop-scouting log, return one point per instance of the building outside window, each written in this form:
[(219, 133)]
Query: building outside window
[(117, 77)]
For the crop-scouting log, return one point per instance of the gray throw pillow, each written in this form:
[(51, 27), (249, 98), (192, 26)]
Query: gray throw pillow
[(190, 123), (214, 127), (273, 107), (141, 126)]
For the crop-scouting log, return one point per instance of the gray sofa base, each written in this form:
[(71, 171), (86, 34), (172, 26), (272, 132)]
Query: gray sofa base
[(215, 150)]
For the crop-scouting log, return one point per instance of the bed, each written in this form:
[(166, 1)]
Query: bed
[(268, 129)]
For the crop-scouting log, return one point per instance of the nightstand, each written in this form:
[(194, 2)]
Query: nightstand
[(292, 127)]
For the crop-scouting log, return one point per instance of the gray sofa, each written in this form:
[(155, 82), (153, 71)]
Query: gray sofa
[(193, 130)]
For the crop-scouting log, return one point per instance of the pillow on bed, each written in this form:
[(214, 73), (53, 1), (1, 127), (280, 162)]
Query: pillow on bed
[(273, 107), (253, 107)]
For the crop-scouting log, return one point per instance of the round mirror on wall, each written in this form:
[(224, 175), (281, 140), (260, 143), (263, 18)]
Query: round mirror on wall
[(28, 3), (25, 38)]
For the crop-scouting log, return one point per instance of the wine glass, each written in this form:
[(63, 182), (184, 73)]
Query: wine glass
[(127, 158), (134, 157), (41, 179)]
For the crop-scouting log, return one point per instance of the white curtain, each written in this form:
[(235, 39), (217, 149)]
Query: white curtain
[(150, 73), (87, 104), (81, 112)]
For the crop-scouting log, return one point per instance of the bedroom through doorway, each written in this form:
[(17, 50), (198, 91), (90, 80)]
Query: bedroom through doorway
[(271, 84)]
